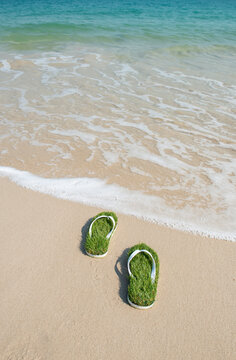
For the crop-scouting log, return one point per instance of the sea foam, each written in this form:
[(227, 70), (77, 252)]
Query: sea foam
[(96, 192)]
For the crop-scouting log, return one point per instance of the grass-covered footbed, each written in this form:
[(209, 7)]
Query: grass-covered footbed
[(97, 243), (142, 290)]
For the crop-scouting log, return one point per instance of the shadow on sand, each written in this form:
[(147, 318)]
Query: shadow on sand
[(120, 265), (84, 232), (121, 271)]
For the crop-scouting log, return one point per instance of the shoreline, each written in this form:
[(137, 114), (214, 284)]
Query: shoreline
[(86, 190), (57, 303)]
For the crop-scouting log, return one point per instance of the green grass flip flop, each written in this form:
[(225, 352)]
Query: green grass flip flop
[(99, 234), (143, 269)]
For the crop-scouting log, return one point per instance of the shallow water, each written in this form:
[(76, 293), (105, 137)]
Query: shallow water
[(135, 101)]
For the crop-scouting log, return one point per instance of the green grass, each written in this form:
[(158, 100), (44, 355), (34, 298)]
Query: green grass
[(141, 290), (98, 244)]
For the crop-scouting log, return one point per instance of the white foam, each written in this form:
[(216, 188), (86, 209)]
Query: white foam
[(182, 123), (97, 192), (110, 157), (6, 66), (64, 92), (136, 170), (88, 138), (172, 76), (23, 103), (125, 69)]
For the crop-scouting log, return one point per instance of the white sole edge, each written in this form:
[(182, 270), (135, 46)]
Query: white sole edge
[(103, 255), (138, 306), (96, 256)]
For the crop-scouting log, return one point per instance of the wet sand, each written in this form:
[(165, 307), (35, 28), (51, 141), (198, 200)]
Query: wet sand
[(57, 303)]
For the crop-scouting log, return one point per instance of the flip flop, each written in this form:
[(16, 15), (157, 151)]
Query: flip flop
[(143, 269), (99, 234)]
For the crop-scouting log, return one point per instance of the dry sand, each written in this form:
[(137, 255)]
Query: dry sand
[(57, 303)]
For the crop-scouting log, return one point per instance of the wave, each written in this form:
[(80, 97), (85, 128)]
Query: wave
[(96, 192)]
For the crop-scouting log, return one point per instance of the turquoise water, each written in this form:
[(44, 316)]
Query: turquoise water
[(192, 26), (132, 104)]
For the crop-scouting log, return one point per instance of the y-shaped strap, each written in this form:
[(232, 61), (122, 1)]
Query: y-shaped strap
[(153, 273), (99, 217)]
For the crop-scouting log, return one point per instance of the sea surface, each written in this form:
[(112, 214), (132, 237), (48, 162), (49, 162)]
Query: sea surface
[(127, 105)]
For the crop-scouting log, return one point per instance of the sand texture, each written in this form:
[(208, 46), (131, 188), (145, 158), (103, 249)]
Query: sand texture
[(57, 303)]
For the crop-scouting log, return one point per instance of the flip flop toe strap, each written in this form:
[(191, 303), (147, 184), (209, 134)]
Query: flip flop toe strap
[(99, 217), (153, 272)]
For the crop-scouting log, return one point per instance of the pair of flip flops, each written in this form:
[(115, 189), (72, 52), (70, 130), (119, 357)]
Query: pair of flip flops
[(142, 262)]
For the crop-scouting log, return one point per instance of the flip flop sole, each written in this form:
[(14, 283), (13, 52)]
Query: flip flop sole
[(138, 306), (96, 256), (136, 288), (101, 255)]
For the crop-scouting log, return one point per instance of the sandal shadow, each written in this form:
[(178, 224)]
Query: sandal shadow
[(121, 271), (84, 232)]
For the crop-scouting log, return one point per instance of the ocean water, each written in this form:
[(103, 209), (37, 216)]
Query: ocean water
[(127, 105)]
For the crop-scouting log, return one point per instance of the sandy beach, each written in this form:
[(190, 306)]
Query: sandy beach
[(57, 303), (125, 106)]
